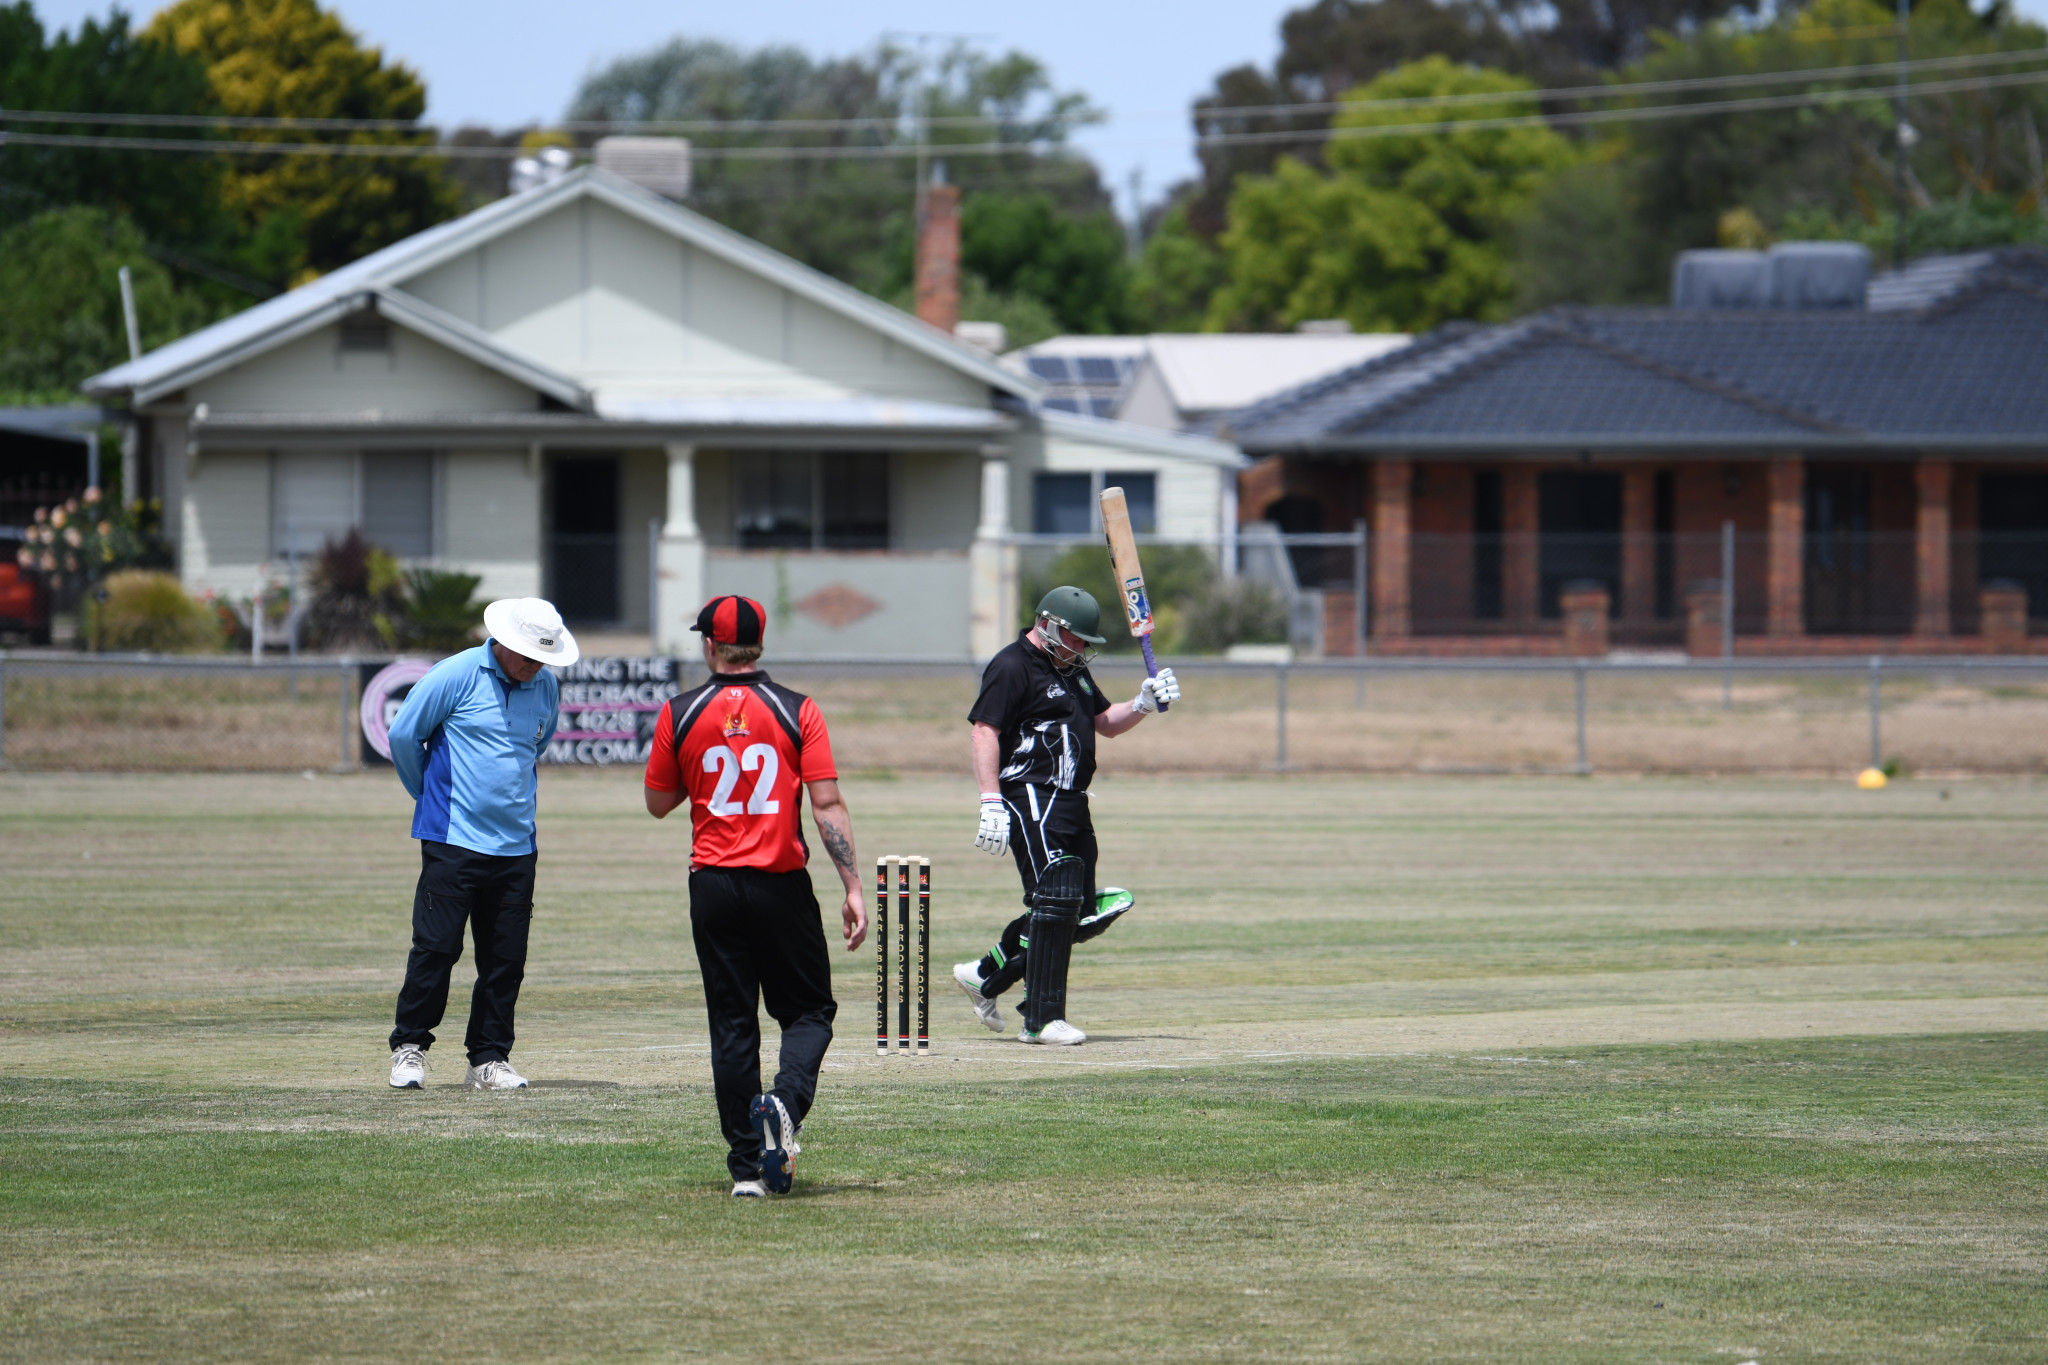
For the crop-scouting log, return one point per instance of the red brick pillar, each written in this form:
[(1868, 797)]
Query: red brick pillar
[(938, 258), (2003, 610), (1932, 481), (1786, 575), (1585, 604), (1703, 603), (1391, 482), (1639, 548), (1518, 560)]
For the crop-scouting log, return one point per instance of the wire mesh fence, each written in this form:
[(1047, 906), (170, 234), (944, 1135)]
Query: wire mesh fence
[(1790, 716)]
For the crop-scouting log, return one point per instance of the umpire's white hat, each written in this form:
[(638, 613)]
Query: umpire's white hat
[(531, 626)]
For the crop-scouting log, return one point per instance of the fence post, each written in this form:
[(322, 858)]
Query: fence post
[(1359, 614), (653, 586), (347, 759), (1280, 711), (1579, 687), (1876, 730), (1727, 614), (3, 708)]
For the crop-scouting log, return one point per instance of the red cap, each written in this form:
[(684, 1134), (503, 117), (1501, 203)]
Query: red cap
[(732, 621)]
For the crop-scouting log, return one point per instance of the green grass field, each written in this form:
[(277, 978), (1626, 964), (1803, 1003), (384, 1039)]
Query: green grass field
[(1428, 1069)]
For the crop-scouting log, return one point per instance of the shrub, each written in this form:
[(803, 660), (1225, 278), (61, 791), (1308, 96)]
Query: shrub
[(441, 610), (150, 610), (1234, 611), (358, 594)]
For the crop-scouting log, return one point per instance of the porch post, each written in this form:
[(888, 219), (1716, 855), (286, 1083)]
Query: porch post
[(1932, 480), (992, 562), (1519, 546), (680, 571), (1787, 562), (1638, 548), (1392, 481)]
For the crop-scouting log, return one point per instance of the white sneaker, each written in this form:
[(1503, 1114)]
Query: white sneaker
[(968, 975), (494, 1076), (408, 1069), (749, 1189), (1059, 1033)]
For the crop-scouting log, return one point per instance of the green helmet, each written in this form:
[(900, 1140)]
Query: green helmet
[(1074, 609)]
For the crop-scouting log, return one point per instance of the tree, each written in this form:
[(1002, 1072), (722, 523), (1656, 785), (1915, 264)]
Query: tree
[(59, 273), (105, 68), (1175, 276), (291, 59), (849, 215), (1021, 244), (1330, 47), (1405, 230), (1660, 186)]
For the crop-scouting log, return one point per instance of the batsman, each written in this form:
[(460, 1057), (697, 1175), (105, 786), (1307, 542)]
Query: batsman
[(1035, 724)]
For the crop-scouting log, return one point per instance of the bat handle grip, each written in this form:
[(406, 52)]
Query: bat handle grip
[(1151, 664)]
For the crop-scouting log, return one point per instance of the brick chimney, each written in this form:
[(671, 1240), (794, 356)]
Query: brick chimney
[(938, 258)]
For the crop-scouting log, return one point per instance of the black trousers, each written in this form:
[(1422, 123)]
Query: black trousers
[(759, 939), (494, 895), (1045, 823)]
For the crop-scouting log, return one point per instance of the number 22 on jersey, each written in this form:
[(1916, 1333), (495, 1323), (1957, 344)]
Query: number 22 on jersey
[(729, 765)]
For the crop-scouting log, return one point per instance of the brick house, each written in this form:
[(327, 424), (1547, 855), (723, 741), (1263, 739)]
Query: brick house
[(1878, 446)]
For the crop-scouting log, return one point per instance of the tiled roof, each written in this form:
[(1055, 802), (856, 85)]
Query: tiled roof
[(1951, 350)]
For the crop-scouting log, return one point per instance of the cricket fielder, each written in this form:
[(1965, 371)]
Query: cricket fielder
[(743, 752), (1035, 724), (466, 744)]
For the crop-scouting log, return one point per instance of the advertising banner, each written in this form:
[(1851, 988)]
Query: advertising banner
[(608, 707)]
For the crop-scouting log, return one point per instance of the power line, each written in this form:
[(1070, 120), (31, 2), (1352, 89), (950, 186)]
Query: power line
[(883, 151), (1612, 90)]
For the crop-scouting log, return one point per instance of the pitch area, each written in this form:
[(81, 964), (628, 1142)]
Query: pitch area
[(1487, 1069)]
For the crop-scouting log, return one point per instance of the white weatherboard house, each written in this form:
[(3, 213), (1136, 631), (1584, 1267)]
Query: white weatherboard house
[(567, 382)]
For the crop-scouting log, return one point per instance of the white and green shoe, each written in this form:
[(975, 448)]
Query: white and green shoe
[(967, 975)]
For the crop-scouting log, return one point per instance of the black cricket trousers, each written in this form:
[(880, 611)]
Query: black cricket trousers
[(1045, 823), (760, 939), (493, 894)]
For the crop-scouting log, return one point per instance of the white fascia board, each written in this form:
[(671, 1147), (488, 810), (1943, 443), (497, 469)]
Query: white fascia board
[(445, 329), (1149, 440)]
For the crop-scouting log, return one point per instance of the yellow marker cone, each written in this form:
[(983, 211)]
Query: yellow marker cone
[(1871, 779)]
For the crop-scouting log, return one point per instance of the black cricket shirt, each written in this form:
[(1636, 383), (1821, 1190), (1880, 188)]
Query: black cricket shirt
[(1047, 722)]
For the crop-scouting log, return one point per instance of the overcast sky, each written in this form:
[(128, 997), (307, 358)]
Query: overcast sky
[(508, 62)]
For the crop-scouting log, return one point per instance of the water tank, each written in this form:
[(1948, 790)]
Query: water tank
[(1819, 274), (1721, 279)]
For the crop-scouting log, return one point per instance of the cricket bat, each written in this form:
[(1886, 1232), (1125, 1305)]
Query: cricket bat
[(1130, 579)]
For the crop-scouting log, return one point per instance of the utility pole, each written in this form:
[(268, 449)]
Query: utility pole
[(1906, 136)]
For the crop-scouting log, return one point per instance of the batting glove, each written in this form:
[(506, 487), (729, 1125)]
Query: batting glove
[(1157, 692), (995, 826)]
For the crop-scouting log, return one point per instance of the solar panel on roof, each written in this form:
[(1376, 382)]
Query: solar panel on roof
[(1051, 368), (1102, 407), (1096, 369), (1072, 405)]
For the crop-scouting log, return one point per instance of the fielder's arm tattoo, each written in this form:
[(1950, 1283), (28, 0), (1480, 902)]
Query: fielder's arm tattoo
[(838, 845)]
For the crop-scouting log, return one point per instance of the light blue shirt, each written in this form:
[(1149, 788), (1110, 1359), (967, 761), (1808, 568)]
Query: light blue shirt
[(466, 743)]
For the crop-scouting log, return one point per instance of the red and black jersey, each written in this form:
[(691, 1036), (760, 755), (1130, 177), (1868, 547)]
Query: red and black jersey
[(742, 747)]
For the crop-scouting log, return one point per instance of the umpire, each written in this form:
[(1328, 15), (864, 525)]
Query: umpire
[(1035, 724), (466, 744), (743, 751)]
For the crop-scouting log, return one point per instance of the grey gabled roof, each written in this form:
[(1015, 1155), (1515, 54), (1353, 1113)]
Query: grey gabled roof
[(277, 320), (1952, 352)]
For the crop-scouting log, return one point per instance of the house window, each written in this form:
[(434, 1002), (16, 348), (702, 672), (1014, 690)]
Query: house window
[(316, 496), (1063, 504), (398, 502), (813, 500), (1069, 504)]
